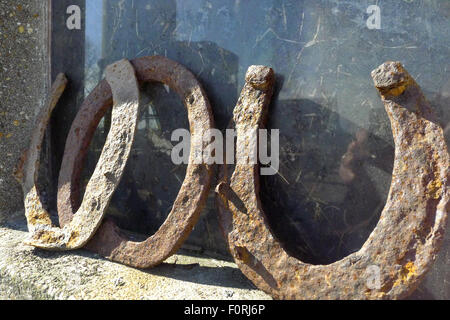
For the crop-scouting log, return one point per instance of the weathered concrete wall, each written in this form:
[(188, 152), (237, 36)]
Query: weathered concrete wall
[(23, 83)]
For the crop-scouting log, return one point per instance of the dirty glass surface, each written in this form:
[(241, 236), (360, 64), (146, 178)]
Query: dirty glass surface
[(321, 207)]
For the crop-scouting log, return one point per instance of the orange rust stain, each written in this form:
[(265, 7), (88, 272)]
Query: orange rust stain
[(73, 238), (434, 189), (397, 91), (38, 217), (409, 270)]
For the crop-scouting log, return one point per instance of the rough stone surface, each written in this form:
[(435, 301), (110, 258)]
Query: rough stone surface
[(28, 273), (23, 85), (405, 242)]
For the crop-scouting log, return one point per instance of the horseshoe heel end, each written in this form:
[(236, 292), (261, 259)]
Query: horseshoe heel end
[(391, 79), (260, 77), (252, 108), (121, 77)]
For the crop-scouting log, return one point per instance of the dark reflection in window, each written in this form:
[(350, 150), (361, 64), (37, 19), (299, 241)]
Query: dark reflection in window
[(335, 141)]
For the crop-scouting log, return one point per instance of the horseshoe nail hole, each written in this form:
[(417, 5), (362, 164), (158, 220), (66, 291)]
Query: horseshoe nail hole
[(333, 181)]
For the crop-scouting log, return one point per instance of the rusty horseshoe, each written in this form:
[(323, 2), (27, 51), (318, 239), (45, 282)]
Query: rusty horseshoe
[(107, 174), (109, 241), (408, 236)]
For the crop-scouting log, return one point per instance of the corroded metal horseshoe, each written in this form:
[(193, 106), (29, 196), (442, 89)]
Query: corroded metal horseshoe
[(408, 236), (109, 242), (106, 176)]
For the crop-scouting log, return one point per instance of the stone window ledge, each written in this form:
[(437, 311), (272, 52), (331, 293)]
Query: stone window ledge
[(28, 273)]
